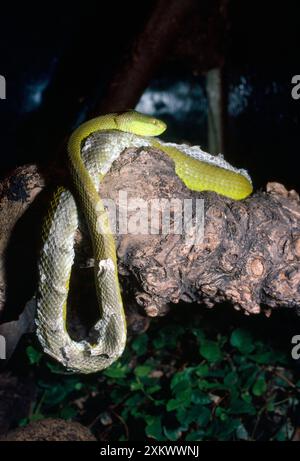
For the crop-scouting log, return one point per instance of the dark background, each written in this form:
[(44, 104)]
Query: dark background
[(58, 61)]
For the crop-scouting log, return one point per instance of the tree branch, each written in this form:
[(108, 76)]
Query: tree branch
[(148, 51), (249, 256)]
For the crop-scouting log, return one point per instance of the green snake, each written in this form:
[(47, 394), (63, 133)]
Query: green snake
[(118, 131)]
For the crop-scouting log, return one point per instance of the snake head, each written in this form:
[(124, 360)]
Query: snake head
[(140, 124)]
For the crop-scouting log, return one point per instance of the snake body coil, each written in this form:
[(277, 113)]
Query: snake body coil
[(61, 223)]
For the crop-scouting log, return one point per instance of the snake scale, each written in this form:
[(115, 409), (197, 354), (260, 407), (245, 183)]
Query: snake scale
[(107, 339)]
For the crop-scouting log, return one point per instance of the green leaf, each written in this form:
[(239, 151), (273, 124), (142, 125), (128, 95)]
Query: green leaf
[(221, 413), (281, 435), (270, 406), (264, 357), (140, 344), (183, 393), (200, 397), (172, 434), (117, 395), (202, 370), (173, 404), (33, 355), (182, 376), (154, 427), (242, 341), (260, 386), (37, 416), (181, 389), (55, 394), (183, 399), (132, 405), (238, 406), (242, 433), (210, 351), (206, 385), (68, 412), (195, 414), (134, 400), (199, 333), (196, 436), (250, 376), (56, 368), (246, 397), (116, 370), (142, 370), (264, 354), (136, 386), (222, 430), (231, 379), (153, 389), (23, 422), (167, 337), (180, 386), (78, 386), (282, 358), (203, 415), (218, 373)]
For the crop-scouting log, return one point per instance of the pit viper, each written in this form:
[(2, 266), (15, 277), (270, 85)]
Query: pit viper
[(107, 338)]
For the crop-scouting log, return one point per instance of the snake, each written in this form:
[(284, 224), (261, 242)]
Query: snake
[(107, 338)]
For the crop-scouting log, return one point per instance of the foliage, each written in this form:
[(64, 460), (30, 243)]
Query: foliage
[(177, 383)]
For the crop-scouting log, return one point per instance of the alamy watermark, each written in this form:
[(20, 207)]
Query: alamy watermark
[(136, 216), (2, 348), (296, 89), (2, 87), (295, 352)]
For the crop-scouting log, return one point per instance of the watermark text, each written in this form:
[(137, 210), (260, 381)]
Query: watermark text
[(2, 87), (296, 89), (2, 348), (136, 216)]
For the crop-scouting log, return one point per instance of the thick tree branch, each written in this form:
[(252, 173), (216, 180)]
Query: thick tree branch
[(148, 51), (249, 256)]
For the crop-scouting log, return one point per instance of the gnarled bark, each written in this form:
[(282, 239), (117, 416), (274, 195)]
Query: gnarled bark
[(50, 430), (249, 255)]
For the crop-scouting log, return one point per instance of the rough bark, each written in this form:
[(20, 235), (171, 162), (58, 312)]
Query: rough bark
[(17, 192), (51, 430), (249, 256)]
